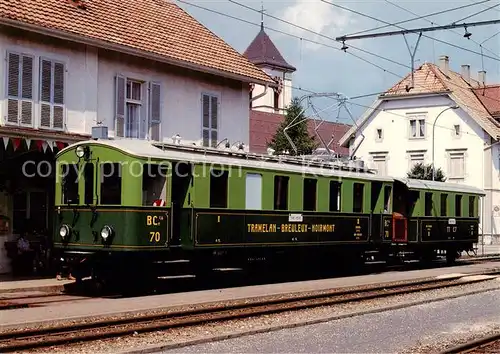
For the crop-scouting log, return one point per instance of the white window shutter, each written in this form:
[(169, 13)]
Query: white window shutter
[(27, 103), (154, 111), (58, 96), (45, 93), (120, 106), (13, 88)]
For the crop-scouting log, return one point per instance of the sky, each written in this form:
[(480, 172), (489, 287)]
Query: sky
[(307, 42)]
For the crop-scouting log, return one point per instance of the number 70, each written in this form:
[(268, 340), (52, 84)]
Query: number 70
[(154, 235)]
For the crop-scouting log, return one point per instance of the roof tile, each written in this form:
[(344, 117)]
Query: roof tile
[(154, 26)]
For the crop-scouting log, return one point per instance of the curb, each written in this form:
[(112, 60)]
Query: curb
[(162, 347), (45, 288)]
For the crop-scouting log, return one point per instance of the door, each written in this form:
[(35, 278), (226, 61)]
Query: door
[(182, 177), (399, 228)]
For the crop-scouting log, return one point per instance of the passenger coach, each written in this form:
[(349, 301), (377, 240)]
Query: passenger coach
[(126, 206)]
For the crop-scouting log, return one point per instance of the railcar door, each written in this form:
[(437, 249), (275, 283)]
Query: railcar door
[(400, 213), (182, 177)]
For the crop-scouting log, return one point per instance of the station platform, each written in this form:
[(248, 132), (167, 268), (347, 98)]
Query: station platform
[(8, 284), (112, 307)]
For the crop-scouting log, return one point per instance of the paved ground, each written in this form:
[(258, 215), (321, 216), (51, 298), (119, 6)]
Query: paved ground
[(99, 307), (487, 250), (33, 284), (386, 332)]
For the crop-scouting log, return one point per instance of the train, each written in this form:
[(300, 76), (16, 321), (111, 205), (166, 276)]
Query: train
[(129, 208)]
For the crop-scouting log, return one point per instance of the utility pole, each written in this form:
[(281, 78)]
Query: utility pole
[(421, 30)]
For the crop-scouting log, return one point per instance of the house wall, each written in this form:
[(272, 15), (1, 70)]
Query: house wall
[(266, 103), (482, 168)]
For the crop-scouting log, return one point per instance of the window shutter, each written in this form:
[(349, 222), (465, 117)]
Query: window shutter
[(119, 106), (27, 91), (213, 120), (155, 111), (13, 88), (58, 121), (45, 90), (206, 119)]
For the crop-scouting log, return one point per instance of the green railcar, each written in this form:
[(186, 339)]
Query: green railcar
[(123, 205)]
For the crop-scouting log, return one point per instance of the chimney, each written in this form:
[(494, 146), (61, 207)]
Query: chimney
[(481, 77), (444, 64), (466, 72)]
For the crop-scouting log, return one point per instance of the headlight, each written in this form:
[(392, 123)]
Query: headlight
[(64, 231), (80, 151), (106, 231)]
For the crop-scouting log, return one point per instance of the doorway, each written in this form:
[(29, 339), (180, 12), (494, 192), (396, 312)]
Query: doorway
[(182, 179)]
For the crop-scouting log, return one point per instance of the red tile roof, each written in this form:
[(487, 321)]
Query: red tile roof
[(490, 98), (263, 126), (263, 51), (157, 28)]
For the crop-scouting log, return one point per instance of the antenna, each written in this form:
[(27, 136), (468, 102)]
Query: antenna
[(262, 10)]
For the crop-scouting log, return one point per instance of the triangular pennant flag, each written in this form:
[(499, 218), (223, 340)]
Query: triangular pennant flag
[(44, 146), (5, 142), (39, 145), (28, 143), (16, 142), (60, 145), (50, 144)]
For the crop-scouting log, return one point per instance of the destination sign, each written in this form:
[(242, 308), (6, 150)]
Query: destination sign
[(291, 227)]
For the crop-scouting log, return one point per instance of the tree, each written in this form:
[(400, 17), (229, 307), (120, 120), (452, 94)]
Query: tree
[(422, 171), (298, 132)]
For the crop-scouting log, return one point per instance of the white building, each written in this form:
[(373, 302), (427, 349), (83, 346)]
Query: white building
[(144, 69), (406, 127)]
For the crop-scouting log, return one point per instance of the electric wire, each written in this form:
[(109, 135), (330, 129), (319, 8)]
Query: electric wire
[(475, 14)]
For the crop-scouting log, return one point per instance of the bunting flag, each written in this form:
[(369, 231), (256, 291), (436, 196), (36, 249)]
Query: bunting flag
[(16, 142), (40, 145), (6, 142), (44, 146), (50, 144), (60, 145), (28, 143)]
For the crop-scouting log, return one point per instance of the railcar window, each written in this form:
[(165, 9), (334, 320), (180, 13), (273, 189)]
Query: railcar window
[(253, 195), (281, 192), (444, 204), (387, 198), (218, 188), (335, 194), (471, 206), (428, 204), (309, 194), (458, 205), (111, 184), (357, 204), (70, 184), (153, 183), (89, 182)]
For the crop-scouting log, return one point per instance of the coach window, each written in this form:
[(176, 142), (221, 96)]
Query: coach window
[(471, 206), (309, 194), (89, 182), (111, 184), (218, 188), (387, 198), (70, 184), (253, 191), (281, 192), (335, 193), (444, 204), (154, 179), (458, 205), (357, 204), (428, 204)]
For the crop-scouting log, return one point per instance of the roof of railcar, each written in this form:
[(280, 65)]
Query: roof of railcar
[(147, 150)]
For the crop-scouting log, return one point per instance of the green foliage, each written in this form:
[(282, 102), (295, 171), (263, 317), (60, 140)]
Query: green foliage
[(298, 133), (422, 171)]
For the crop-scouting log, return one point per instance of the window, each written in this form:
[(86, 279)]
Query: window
[(250, 95), (253, 191), (70, 184), (458, 205), (428, 204), (276, 101), (387, 198), (20, 89), (131, 119), (444, 204), (281, 192), (456, 165), (210, 120), (218, 188), (415, 158), (456, 130), (30, 211), (51, 94), (154, 179), (335, 193), (89, 183), (111, 184), (417, 126), (357, 203), (309, 194), (380, 162), (379, 135), (472, 205)]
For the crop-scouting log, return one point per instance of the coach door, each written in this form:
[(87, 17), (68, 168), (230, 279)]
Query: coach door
[(182, 177), (399, 215)]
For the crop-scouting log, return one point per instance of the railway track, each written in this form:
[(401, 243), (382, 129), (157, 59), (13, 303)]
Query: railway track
[(46, 337), (489, 344)]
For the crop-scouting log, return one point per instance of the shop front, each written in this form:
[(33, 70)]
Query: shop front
[(27, 177)]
